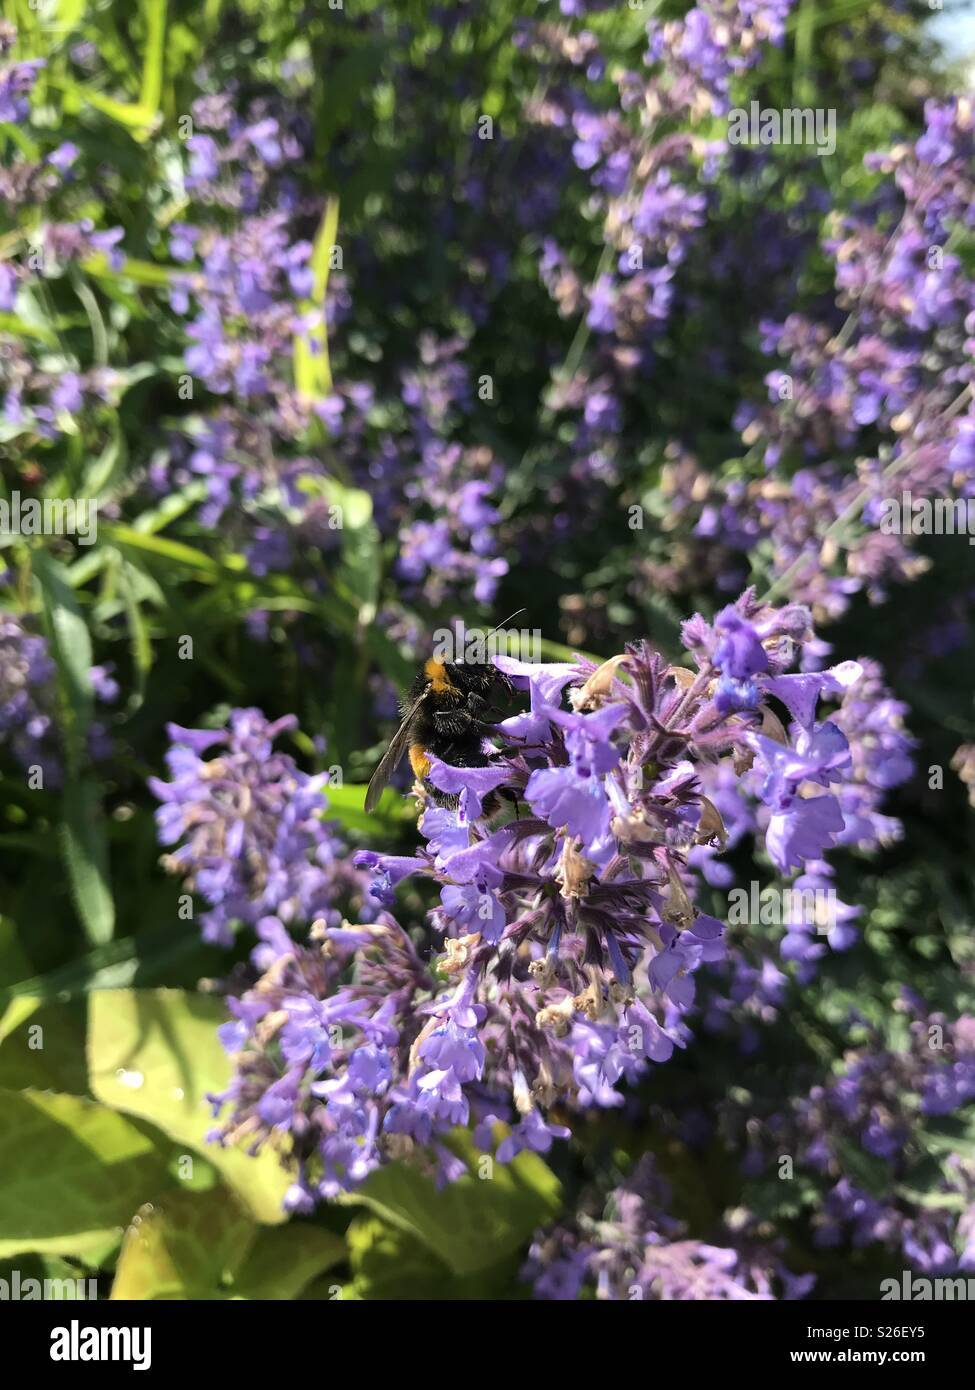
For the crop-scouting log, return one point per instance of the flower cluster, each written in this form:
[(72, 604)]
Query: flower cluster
[(852, 1147), (871, 722), (29, 703), (27, 698), (571, 940), (250, 307), (651, 182), (322, 1041), (251, 830), (633, 1248), (883, 1109), (16, 79), (868, 401), (40, 398)]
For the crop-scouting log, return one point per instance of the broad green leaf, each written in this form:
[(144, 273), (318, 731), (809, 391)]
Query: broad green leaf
[(155, 1054), (185, 1246), (44, 1048), (204, 1246), (284, 1259), (16, 1013), (345, 804), (388, 1263), (361, 567), (474, 1222), (73, 1173), (110, 966)]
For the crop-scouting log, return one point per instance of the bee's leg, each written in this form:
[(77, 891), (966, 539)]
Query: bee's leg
[(457, 722), (493, 711)]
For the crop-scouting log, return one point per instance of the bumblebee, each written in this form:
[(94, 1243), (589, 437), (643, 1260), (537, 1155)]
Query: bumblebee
[(444, 713)]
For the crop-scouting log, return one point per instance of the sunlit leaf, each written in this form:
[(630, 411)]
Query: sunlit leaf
[(155, 1054)]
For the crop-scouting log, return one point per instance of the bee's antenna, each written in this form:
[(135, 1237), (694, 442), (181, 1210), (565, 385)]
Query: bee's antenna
[(507, 620)]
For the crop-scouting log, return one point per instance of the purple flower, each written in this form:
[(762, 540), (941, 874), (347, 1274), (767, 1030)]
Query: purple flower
[(249, 829)]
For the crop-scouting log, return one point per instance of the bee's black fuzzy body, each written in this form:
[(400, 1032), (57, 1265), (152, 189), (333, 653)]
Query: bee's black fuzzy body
[(445, 713), (450, 722)]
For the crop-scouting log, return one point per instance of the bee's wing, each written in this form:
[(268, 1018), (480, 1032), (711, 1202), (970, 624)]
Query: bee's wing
[(392, 755)]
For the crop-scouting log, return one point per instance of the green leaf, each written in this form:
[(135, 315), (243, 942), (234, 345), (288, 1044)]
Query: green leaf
[(71, 648), (204, 1246), (15, 1015), (165, 549), (10, 323), (14, 961), (173, 505), (111, 966), (387, 1263), (155, 1054), (106, 470), (313, 373), (85, 845), (283, 1260), (128, 577), (150, 92), (73, 1173), (84, 841), (140, 117), (137, 118), (68, 14), (472, 1223), (361, 567), (555, 651), (185, 1246), (140, 272), (42, 1046), (346, 805)]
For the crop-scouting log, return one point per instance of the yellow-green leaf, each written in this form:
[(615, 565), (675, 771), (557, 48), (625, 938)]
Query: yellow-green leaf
[(204, 1246), (73, 1173), (155, 1054)]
